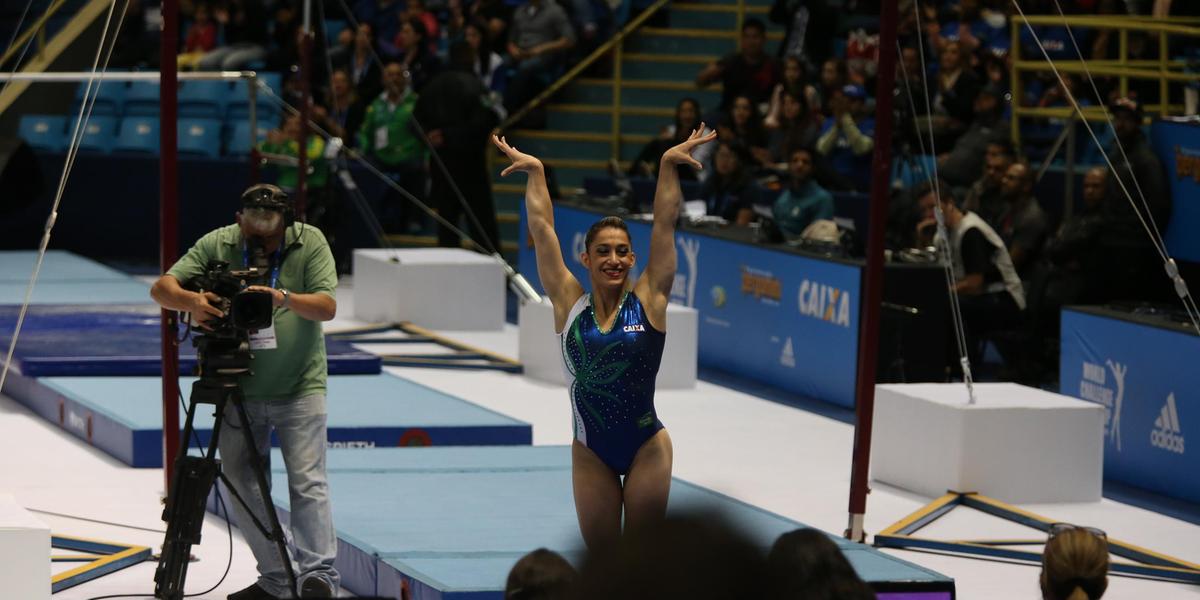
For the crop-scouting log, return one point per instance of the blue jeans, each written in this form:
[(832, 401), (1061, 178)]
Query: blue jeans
[(300, 425)]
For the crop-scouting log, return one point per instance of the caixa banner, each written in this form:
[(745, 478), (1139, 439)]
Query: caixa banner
[(1145, 377), (1178, 147), (781, 318)]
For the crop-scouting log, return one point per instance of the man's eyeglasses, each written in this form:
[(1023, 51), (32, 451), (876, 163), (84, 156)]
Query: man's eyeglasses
[(1057, 529)]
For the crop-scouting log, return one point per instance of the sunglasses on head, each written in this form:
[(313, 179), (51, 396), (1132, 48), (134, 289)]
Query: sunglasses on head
[(1057, 529)]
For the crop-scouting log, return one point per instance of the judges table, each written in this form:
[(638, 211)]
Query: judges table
[(1141, 367), (776, 314)]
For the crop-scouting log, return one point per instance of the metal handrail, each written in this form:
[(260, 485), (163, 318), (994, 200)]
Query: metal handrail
[(1163, 69), (616, 40), (34, 29)]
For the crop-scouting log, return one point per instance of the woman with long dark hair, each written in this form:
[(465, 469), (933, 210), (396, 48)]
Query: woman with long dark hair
[(687, 119), (612, 341)]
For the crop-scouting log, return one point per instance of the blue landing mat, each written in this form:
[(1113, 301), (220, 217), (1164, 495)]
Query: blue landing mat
[(77, 340), (452, 521), (123, 415), (66, 278)]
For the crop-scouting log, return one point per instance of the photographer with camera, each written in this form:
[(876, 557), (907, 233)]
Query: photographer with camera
[(285, 390)]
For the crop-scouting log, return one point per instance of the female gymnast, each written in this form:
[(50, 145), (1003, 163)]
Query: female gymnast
[(612, 342)]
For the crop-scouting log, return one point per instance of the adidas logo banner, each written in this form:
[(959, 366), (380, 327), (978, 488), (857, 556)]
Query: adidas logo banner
[(1167, 434)]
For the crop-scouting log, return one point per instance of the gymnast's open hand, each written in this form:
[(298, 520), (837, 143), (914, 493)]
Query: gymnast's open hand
[(520, 160), (682, 154)]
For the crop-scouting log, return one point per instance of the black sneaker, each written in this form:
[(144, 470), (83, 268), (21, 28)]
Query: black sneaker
[(252, 593), (315, 587)]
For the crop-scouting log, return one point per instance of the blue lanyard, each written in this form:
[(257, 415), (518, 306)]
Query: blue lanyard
[(274, 269)]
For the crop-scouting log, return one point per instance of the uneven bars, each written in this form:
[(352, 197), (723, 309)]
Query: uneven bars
[(124, 76)]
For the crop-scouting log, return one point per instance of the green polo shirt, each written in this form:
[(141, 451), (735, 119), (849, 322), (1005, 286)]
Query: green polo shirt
[(297, 366), (385, 132)]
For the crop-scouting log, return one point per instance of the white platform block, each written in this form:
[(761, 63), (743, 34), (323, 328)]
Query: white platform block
[(436, 288), (1016, 444), (24, 552), (539, 351)]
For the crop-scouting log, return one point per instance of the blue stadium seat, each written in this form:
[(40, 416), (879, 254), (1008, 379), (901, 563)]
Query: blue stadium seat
[(239, 99), (239, 136), (203, 99), (200, 137), (110, 96), (98, 135), (141, 99), (137, 134), (44, 132)]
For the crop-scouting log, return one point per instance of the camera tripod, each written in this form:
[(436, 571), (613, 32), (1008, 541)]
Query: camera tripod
[(194, 478)]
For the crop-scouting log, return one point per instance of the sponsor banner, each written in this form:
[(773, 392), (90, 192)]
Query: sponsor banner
[(784, 319), (1151, 400), (1178, 147)]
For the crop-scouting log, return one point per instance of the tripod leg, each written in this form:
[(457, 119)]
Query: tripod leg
[(184, 513)]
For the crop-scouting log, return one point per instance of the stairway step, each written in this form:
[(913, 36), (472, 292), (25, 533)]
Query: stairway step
[(576, 145), (598, 118), (664, 67), (637, 93), (713, 16), (568, 172)]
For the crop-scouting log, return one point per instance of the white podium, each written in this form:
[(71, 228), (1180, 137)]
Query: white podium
[(1016, 444), (436, 288), (24, 552), (540, 355)]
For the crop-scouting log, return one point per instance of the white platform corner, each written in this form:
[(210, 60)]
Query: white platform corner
[(436, 288), (24, 552), (540, 355), (1016, 444)]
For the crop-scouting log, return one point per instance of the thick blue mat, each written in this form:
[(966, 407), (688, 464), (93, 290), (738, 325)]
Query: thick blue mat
[(109, 340), (123, 415), (450, 522)]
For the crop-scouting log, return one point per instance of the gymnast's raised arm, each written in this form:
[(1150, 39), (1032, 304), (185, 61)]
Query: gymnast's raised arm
[(560, 284), (654, 286)]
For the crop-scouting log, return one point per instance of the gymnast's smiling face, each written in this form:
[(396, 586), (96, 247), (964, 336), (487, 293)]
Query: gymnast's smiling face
[(609, 259)]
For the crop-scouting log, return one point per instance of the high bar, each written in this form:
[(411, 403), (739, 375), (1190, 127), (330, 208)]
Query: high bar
[(71, 76)]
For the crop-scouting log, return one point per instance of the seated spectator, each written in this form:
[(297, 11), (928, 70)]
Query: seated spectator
[(540, 575), (343, 47), (1074, 564), (415, 9), (687, 119), (794, 78), (953, 95), (244, 23), (1023, 225), (201, 37), (807, 564), (1069, 272), (285, 141), (383, 16), (803, 200), (749, 72), (729, 191), (983, 197), (343, 110), (742, 124), (989, 291), (538, 39), (497, 15), (388, 139), (847, 136), (695, 557), (963, 164), (455, 20), (970, 28), (361, 64), (413, 54), (835, 75), (488, 64), (794, 126)]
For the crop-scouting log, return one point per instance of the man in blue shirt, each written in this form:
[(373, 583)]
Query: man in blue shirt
[(803, 201)]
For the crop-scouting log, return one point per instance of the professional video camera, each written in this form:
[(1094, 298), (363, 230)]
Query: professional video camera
[(224, 348)]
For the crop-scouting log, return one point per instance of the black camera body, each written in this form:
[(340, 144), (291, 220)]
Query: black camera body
[(224, 349)]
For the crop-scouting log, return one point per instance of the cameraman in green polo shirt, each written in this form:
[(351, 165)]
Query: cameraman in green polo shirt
[(286, 391)]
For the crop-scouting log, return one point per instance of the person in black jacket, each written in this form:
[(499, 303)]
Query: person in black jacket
[(455, 111)]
